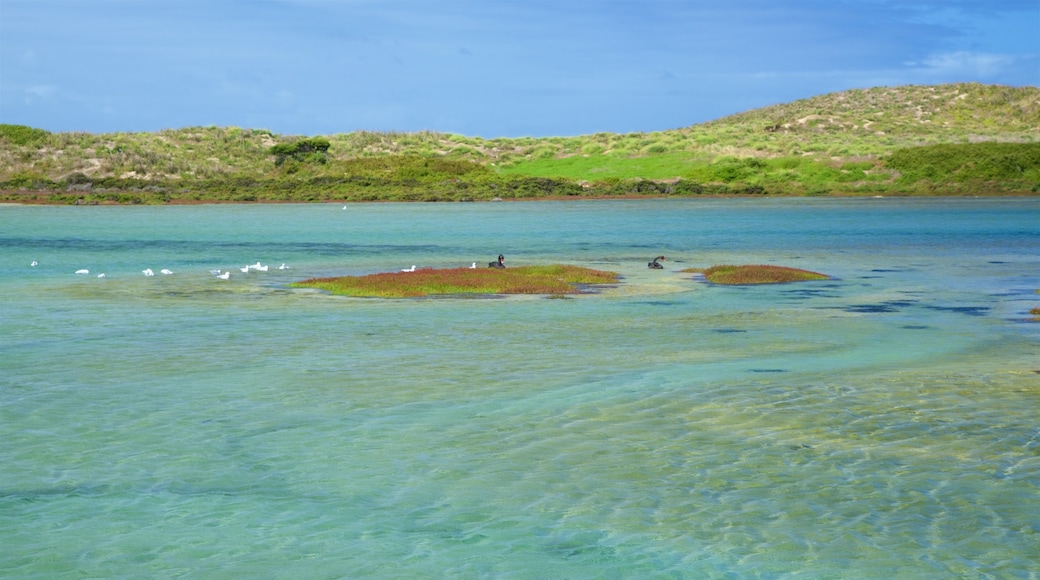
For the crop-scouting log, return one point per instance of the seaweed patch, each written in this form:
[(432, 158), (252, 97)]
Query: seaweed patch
[(968, 310)]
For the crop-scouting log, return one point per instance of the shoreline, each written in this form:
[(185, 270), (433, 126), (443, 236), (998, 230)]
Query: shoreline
[(39, 198)]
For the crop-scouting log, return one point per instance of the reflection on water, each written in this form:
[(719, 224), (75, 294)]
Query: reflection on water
[(881, 423)]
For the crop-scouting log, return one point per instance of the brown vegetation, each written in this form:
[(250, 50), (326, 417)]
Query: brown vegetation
[(756, 274), (554, 279)]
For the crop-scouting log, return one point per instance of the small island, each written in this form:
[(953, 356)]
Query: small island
[(755, 274), (554, 280)]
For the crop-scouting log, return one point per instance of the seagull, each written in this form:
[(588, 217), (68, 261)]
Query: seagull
[(344, 207), (34, 263), (101, 275), (283, 267), (84, 271), (244, 269), (261, 268), (225, 275), (166, 271), (412, 269), (473, 266), (148, 272)]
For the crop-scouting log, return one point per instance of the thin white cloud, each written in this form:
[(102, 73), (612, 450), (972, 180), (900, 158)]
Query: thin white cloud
[(964, 63), (37, 93)]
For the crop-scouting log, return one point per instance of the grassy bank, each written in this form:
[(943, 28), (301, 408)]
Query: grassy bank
[(913, 140)]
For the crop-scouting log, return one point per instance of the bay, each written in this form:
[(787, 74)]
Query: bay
[(880, 423)]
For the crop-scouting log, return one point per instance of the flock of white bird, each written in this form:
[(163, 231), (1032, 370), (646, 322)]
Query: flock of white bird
[(222, 274), (472, 266), (257, 267)]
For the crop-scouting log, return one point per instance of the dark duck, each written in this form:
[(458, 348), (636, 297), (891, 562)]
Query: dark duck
[(654, 263), (499, 264)]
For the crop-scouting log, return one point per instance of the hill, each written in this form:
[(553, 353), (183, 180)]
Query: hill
[(850, 142)]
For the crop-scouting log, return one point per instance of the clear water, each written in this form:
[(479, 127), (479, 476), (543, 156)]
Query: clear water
[(882, 424)]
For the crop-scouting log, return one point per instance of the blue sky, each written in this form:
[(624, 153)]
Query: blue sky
[(488, 68)]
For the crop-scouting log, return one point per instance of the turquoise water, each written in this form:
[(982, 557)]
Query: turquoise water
[(881, 424)]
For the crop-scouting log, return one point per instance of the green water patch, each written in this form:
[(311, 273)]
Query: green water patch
[(553, 280), (755, 274)]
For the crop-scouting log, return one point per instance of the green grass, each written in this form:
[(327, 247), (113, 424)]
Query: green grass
[(554, 279), (597, 167), (756, 274)]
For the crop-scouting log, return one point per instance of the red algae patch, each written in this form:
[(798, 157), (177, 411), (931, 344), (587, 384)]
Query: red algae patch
[(756, 274), (554, 280)]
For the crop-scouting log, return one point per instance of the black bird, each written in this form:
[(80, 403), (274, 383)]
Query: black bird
[(654, 265), (499, 264)]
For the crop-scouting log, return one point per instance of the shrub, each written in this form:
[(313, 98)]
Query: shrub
[(966, 162), (313, 149), (77, 178), (687, 187), (22, 135)]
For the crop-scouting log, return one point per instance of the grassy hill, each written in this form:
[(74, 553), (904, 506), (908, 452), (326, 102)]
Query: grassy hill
[(986, 138)]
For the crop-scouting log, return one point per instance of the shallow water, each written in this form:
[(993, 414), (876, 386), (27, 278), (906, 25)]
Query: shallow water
[(883, 423)]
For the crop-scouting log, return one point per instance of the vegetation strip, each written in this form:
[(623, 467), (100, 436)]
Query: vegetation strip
[(756, 274), (553, 279), (952, 139)]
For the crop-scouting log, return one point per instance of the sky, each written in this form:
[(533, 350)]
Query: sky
[(482, 68)]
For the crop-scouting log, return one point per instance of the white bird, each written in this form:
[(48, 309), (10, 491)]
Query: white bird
[(344, 207), (473, 266), (412, 269), (244, 269), (34, 263), (84, 271), (148, 272), (263, 268), (166, 271), (283, 267), (101, 275), (215, 272), (225, 275)]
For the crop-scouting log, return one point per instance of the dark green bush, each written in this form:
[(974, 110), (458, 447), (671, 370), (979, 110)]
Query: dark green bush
[(964, 162), (77, 178), (687, 187), (314, 149)]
